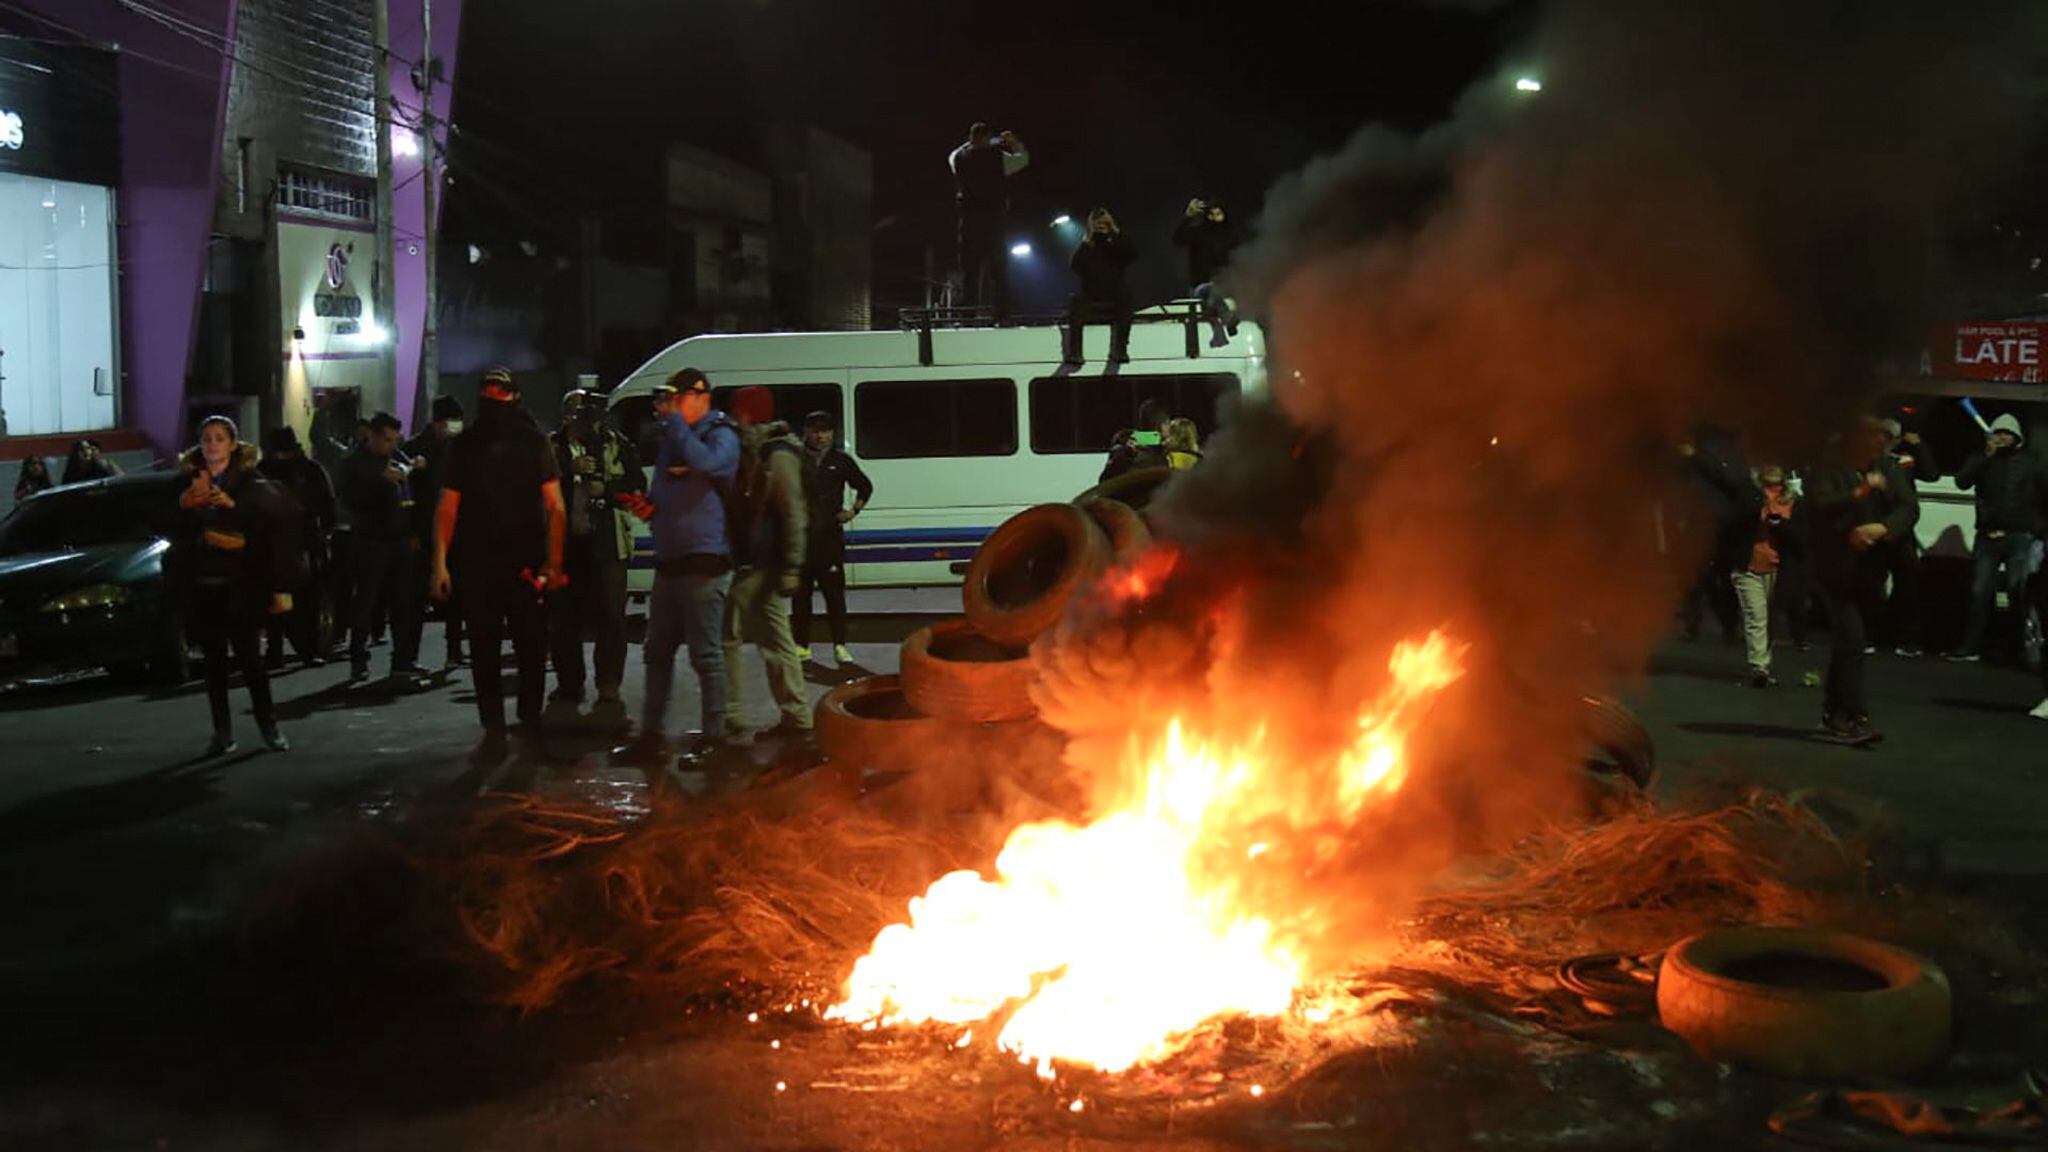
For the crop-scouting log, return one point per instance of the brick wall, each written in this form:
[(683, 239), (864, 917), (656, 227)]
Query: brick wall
[(304, 91)]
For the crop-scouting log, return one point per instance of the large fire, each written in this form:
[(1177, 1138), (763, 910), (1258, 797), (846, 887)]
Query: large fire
[(1104, 945)]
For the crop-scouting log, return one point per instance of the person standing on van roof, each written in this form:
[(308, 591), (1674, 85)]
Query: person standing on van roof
[(828, 473), (1100, 261), (501, 521), (1209, 236), (981, 170), (696, 458), (768, 545), (2012, 494)]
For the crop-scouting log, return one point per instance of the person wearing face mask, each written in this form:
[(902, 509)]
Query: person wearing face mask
[(1100, 262), (2011, 485), (429, 454), (236, 556), (600, 478)]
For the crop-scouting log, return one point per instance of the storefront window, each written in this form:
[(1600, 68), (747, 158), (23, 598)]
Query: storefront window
[(57, 326)]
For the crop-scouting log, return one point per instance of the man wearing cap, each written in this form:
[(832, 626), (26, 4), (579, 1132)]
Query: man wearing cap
[(2011, 486), (376, 491), (498, 530), (770, 552), (696, 458), (289, 468), (599, 470), (828, 473), (429, 452)]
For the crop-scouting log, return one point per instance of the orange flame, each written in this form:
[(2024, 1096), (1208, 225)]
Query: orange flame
[(1107, 943)]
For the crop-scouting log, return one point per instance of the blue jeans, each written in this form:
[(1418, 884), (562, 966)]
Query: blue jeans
[(686, 609), (2015, 551)]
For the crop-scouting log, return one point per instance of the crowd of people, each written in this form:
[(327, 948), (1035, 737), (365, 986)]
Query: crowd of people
[(87, 460), (1846, 532), (523, 537)]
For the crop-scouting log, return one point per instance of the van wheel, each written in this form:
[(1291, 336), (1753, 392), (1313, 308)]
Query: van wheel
[(1134, 489), (1125, 528), (1021, 578), (1806, 1004), (952, 672)]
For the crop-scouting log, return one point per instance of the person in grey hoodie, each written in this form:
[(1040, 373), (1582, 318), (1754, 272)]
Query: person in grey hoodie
[(769, 539), (2012, 490)]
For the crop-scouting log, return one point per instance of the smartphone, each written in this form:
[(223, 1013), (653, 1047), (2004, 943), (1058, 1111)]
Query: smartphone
[(1145, 439)]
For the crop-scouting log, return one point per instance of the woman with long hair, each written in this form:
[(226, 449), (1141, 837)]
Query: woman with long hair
[(1183, 444), (88, 461), (34, 477), (235, 561)]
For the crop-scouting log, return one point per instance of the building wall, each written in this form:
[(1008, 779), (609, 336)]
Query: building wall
[(323, 276), (825, 226)]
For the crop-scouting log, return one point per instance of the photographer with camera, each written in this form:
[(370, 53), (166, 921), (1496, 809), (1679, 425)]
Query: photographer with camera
[(981, 170), (600, 470), (1100, 261), (1209, 236), (1752, 545), (1142, 447)]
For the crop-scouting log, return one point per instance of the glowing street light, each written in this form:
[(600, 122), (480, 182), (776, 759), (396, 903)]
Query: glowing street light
[(1528, 84), (404, 144), (1062, 218), (1020, 249)]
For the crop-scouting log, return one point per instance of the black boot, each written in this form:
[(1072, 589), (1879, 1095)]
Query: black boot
[(1070, 345)]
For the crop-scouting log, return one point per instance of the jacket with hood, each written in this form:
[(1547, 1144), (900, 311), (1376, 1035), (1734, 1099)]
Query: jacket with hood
[(1841, 502), (2012, 485), (694, 469), (263, 519), (773, 510)]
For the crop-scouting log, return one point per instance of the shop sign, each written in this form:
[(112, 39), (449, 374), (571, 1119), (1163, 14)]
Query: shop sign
[(12, 131)]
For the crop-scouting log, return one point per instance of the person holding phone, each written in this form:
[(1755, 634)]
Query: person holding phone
[(981, 169), (1141, 447)]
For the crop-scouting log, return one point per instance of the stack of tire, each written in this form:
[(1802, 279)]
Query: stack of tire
[(959, 713)]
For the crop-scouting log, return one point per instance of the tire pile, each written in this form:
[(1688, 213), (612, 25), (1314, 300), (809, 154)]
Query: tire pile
[(962, 699)]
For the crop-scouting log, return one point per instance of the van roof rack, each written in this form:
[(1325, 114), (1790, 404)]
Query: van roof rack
[(1186, 311)]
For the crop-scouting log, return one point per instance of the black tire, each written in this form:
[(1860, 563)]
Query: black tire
[(1134, 489), (1620, 745), (1023, 575), (1120, 522), (952, 672)]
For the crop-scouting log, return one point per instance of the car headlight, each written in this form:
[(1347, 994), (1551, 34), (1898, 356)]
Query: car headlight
[(87, 598)]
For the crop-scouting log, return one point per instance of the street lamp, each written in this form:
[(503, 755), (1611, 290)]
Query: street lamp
[(1528, 84), (1062, 218), (1020, 249)]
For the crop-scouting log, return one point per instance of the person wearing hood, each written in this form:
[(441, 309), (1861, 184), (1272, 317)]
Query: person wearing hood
[(429, 453), (312, 495), (1100, 262), (771, 532), (498, 529), (235, 560), (2012, 486), (696, 459)]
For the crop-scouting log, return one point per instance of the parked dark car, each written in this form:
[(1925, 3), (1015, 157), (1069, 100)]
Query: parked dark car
[(82, 580)]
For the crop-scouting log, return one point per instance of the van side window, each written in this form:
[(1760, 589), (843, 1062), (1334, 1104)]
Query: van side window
[(1076, 414), (793, 402), (899, 419)]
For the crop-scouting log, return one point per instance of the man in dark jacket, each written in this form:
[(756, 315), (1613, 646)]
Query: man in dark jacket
[(498, 530), (697, 458), (1142, 447), (376, 492), (828, 473), (429, 453), (2012, 486), (312, 494), (1848, 520), (982, 168), (600, 472), (1100, 262), (1896, 558), (769, 547), (1209, 236), (1752, 545)]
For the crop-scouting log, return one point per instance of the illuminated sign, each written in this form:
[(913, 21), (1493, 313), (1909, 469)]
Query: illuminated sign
[(332, 307), (337, 266), (11, 131)]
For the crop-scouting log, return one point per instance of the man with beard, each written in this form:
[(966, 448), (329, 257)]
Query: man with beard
[(1852, 514), (306, 482), (599, 470), (828, 473), (769, 547), (429, 452), (498, 533), (2012, 486)]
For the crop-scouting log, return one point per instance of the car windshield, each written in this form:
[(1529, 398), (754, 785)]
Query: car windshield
[(83, 517)]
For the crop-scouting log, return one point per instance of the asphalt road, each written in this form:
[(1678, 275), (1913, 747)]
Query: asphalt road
[(119, 851)]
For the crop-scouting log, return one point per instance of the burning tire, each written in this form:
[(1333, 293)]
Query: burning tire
[(1132, 489), (952, 672), (870, 727), (1621, 746), (1023, 575), (869, 724), (1120, 522), (1806, 1004)]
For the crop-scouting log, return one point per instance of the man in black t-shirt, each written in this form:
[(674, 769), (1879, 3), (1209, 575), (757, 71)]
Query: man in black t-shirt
[(498, 531)]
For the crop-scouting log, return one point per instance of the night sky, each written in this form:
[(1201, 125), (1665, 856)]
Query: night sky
[(567, 106)]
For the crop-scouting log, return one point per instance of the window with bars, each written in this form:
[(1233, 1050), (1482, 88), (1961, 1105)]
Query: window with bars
[(326, 194)]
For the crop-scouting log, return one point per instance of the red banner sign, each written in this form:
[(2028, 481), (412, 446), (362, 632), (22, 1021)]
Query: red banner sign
[(2008, 350)]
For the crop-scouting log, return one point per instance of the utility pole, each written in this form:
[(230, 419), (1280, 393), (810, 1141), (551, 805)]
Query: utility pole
[(430, 327), (382, 280)]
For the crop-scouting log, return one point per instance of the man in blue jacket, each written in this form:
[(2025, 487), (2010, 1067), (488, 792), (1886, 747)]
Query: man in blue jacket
[(695, 466)]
